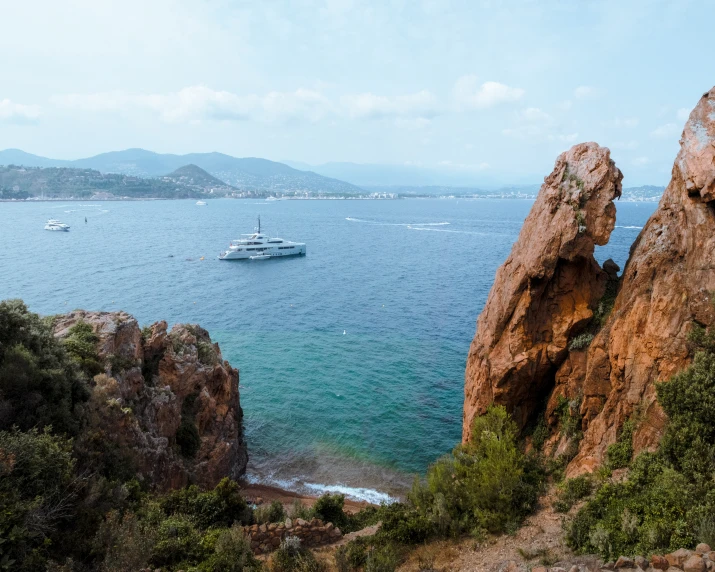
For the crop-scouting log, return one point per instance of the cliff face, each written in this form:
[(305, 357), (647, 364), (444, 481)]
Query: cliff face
[(547, 288), (667, 287), (166, 402), (545, 293)]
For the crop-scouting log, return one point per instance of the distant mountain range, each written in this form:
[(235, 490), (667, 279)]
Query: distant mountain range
[(247, 174)]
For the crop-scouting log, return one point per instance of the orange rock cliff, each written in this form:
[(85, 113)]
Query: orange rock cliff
[(551, 291), (157, 385)]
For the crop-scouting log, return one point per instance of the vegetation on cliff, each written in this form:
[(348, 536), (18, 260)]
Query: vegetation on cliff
[(668, 499)]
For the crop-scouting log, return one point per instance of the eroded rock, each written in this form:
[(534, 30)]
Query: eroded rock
[(151, 382), (546, 290)]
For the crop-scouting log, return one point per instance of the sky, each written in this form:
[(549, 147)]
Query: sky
[(496, 89)]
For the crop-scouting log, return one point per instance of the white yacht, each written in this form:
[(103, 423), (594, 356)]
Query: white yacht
[(56, 225), (200, 203), (258, 246)]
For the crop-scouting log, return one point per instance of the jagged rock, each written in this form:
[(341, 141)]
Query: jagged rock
[(149, 382), (546, 290), (665, 288)]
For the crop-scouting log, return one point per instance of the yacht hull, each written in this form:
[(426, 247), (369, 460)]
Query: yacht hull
[(234, 255)]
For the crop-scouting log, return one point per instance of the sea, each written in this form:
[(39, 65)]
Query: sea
[(351, 358)]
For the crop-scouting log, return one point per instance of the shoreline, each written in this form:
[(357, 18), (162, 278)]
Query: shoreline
[(266, 494)]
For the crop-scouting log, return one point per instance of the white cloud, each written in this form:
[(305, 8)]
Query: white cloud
[(200, 103), (412, 122), (584, 92), (683, 113), (627, 145), (469, 94), (641, 161), (665, 131), (621, 122), (422, 104), (11, 112), (566, 105), (534, 114)]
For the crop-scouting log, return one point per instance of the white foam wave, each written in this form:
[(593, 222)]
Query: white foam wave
[(635, 227), (452, 231), (355, 493), (407, 224)]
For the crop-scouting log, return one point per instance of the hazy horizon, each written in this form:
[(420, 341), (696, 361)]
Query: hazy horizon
[(480, 91)]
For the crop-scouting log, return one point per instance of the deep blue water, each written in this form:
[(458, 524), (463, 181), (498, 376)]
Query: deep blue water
[(351, 358)]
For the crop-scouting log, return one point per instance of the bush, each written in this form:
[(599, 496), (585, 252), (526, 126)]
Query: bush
[(38, 494), (40, 384), (221, 507), (572, 491), (292, 557), (232, 553), (273, 512), (668, 500), (81, 345), (620, 453), (580, 342), (178, 543), (329, 508), (487, 483), (127, 542)]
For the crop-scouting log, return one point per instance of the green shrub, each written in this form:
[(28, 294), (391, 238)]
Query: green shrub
[(299, 510), (580, 342), (385, 558), (572, 491), (329, 508), (207, 353), (221, 507), (352, 556), (274, 512), (38, 495), (40, 383), (178, 543), (668, 500), (487, 483), (540, 434), (232, 553), (127, 542), (81, 345), (620, 453), (570, 422), (292, 557)]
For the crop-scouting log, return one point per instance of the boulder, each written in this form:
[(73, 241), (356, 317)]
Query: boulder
[(659, 562), (702, 548), (694, 563), (678, 557), (624, 562)]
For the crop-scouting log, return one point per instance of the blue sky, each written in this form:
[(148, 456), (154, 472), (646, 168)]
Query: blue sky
[(491, 88)]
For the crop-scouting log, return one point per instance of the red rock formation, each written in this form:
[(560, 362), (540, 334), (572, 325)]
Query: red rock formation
[(666, 287), (153, 379), (546, 290)]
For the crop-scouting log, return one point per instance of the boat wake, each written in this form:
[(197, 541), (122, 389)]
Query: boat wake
[(633, 227), (406, 224)]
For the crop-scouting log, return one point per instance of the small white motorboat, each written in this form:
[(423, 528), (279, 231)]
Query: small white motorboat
[(259, 257), (200, 203), (56, 225)]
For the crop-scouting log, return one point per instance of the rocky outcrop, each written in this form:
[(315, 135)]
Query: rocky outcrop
[(547, 290), (666, 287), (549, 287), (167, 402)]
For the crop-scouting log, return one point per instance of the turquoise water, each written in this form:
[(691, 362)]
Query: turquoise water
[(351, 358)]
